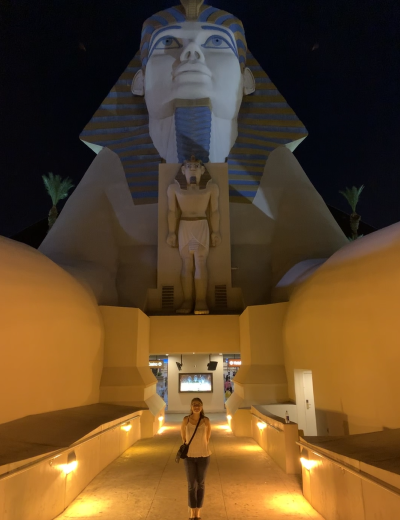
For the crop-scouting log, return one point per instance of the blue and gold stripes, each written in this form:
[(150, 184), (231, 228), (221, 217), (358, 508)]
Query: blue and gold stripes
[(122, 125), (207, 14), (265, 122)]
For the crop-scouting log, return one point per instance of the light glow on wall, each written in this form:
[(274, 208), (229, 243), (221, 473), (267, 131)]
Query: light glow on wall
[(126, 426), (71, 465), (261, 425), (308, 464)]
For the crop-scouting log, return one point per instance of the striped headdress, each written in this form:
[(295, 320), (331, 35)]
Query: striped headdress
[(265, 120), (195, 11)]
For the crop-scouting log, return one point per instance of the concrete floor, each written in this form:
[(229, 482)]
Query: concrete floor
[(146, 483)]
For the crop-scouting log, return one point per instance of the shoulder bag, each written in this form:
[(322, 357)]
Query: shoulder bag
[(184, 448)]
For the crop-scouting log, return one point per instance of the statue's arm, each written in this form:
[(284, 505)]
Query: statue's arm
[(214, 217), (171, 239)]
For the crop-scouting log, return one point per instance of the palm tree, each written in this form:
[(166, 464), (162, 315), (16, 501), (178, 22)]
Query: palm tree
[(58, 189), (352, 196)]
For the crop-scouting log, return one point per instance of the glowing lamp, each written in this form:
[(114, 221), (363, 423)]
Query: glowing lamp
[(72, 463), (261, 425), (308, 464), (160, 418), (229, 417), (126, 426)]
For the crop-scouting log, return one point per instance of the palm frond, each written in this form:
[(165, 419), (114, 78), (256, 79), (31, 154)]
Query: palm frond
[(352, 195), (56, 187)]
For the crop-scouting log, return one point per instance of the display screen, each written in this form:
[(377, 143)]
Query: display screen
[(195, 383)]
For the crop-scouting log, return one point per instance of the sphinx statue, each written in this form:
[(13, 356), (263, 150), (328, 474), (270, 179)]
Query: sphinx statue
[(193, 88)]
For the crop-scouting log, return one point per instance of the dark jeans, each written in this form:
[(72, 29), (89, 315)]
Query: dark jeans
[(196, 470)]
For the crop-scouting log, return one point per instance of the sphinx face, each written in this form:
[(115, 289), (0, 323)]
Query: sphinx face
[(193, 60)]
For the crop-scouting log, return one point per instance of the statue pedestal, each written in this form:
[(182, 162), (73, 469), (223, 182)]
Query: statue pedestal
[(127, 378), (168, 296)]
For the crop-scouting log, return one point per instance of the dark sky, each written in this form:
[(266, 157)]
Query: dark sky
[(346, 91)]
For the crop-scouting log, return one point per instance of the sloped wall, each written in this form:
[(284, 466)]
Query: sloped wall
[(51, 336), (343, 324)]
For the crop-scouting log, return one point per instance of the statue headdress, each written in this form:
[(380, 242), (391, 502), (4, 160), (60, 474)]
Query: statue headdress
[(205, 178), (194, 11), (265, 120)]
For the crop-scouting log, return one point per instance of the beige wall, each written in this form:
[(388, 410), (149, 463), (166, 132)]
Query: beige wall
[(127, 378), (51, 336), (343, 324), (262, 377), (207, 334)]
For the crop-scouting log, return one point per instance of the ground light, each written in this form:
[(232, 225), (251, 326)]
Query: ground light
[(126, 426), (72, 463), (308, 464), (261, 425)]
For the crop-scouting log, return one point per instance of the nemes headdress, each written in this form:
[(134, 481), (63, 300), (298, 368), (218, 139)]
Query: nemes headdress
[(193, 11), (265, 120)]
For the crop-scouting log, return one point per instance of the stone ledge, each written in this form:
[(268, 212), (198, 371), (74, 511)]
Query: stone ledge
[(36, 435)]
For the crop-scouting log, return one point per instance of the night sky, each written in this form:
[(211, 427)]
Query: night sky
[(337, 63)]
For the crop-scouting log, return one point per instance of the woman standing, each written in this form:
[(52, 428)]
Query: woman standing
[(198, 459)]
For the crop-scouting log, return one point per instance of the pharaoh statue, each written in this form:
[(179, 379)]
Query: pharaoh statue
[(192, 193), (193, 88)]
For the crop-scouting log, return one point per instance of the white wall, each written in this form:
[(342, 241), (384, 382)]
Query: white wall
[(180, 402)]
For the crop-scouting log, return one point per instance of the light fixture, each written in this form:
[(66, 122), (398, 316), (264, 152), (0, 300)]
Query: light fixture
[(229, 417), (179, 365), (72, 463), (261, 425), (308, 464), (160, 418), (126, 426), (212, 365)]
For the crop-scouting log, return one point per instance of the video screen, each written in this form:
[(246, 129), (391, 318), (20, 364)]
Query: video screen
[(196, 383)]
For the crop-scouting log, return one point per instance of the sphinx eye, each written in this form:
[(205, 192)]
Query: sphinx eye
[(217, 42), (167, 42)]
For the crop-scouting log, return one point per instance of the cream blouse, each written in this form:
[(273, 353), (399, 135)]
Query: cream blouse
[(199, 445)]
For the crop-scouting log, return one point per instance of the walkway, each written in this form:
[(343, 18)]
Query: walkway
[(145, 482)]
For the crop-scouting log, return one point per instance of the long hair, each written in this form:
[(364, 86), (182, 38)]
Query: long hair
[(202, 410)]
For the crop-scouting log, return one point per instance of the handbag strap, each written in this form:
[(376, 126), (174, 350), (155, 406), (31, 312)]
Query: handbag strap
[(194, 430)]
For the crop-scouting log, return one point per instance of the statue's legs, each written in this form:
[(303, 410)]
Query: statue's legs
[(187, 281), (201, 280)]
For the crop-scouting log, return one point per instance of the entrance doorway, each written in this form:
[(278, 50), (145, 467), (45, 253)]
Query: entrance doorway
[(303, 384)]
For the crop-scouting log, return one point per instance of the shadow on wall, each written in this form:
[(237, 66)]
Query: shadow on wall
[(331, 423)]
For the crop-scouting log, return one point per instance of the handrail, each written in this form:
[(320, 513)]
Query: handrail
[(57, 453), (267, 423), (358, 473)]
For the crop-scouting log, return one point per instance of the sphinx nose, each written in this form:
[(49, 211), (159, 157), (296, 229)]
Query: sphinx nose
[(191, 52)]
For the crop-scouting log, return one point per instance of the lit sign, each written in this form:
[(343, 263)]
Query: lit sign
[(156, 363), (234, 362)]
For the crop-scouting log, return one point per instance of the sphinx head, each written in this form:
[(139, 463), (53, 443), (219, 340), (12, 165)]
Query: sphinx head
[(193, 52)]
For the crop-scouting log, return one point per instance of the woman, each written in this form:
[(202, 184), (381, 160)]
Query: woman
[(198, 459)]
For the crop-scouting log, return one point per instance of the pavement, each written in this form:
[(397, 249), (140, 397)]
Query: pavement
[(145, 482)]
